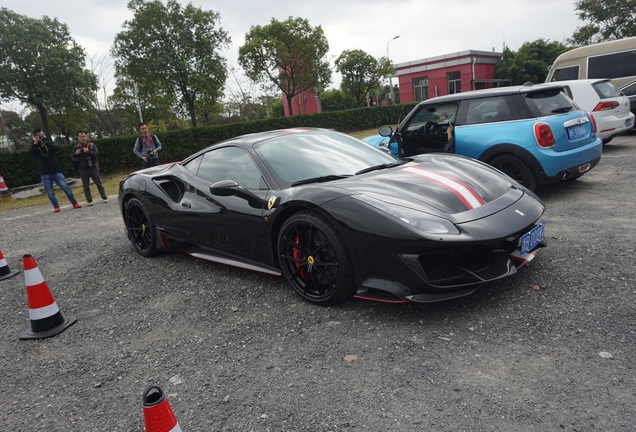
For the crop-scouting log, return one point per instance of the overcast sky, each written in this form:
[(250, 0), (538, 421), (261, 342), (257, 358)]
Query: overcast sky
[(426, 28)]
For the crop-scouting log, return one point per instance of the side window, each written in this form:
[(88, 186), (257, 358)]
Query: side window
[(193, 165), (490, 110), (566, 74), (438, 114), (231, 163), (630, 90)]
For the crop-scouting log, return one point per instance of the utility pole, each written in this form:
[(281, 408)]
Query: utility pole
[(141, 119), (390, 80)]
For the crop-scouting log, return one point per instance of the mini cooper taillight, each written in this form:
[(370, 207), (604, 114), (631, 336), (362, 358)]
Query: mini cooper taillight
[(544, 136), (604, 106)]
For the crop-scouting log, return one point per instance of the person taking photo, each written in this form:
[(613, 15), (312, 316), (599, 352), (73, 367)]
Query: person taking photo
[(84, 156), (44, 150)]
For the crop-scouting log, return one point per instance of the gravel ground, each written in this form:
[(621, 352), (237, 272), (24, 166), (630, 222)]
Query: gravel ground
[(552, 348)]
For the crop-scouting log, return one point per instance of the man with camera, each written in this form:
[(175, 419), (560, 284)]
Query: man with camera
[(84, 156), (50, 171), (147, 147)]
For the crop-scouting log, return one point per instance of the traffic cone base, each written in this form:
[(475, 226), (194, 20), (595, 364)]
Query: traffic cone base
[(32, 334), (5, 271), (46, 318)]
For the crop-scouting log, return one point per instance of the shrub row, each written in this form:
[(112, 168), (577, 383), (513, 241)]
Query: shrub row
[(19, 168)]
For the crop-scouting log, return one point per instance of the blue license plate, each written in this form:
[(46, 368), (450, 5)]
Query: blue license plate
[(532, 238), (628, 122), (577, 131)]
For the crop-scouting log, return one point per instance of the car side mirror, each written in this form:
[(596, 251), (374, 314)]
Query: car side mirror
[(385, 131), (232, 188)]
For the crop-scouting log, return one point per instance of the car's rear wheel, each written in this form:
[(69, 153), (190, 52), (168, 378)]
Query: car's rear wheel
[(314, 259), (516, 169), (140, 228)]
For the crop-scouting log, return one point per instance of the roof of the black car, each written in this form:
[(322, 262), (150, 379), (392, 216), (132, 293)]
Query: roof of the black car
[(261, 136), (500, 91)]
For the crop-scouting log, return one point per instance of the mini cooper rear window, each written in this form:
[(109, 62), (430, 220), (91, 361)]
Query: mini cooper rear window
[(549, 102)]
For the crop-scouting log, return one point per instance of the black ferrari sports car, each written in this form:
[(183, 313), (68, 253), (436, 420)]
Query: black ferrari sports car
[(337, 217)]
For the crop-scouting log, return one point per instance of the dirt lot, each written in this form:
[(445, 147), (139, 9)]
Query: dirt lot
[(553, 348)]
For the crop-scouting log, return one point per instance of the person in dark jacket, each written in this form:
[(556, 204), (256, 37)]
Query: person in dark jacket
[(147, 147), (50, 171), (84, 157)]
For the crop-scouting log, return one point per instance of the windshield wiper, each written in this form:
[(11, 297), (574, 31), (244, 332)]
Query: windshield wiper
[(561, 110), (379, 167), (320, 179)]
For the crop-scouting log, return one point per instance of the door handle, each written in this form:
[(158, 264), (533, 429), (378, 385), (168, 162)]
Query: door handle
[(186, 204)]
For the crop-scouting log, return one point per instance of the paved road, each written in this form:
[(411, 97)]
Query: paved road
[(551, 349)]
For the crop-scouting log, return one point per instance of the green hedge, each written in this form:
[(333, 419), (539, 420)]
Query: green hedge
[(19, 168)]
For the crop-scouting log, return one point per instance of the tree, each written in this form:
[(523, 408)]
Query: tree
[(336, 100), (530, 63), (41, 65), (289, 54), (606, 20), (176, 48), (15, 130), (361, 73)]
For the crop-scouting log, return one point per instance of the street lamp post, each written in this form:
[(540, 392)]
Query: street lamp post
[(390, 80)]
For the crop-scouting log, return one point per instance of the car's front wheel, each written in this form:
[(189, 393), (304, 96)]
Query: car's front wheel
[(516, 169), (140, 228), (314, 259)]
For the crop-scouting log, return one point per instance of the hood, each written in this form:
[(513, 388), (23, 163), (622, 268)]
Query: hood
[(455, 187)]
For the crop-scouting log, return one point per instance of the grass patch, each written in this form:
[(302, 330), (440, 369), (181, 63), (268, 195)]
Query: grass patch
[(110, 182)]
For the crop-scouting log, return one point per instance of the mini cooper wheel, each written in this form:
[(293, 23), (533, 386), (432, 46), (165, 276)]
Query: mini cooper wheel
[(516, 169), (314, 259), (140, 228)]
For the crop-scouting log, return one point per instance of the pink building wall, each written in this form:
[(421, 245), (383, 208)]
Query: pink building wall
[(477, 70)]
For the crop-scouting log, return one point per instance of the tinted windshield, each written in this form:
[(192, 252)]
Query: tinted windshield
[(299, 156)]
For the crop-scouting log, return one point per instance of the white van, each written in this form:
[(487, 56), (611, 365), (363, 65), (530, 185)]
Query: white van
[(615, 60)]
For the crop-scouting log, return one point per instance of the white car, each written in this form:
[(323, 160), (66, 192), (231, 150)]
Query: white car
[(608, 106)]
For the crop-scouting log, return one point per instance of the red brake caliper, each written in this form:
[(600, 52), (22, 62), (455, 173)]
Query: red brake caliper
[(299, 255)]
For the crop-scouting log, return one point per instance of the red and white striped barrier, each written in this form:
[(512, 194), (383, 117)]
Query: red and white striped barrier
[(158, 416), (46, 318), (5, 271)]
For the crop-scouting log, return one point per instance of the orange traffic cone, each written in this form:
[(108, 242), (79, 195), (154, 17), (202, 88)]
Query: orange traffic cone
[(158, 416), (45, 315), (5, 271), (5, 193)]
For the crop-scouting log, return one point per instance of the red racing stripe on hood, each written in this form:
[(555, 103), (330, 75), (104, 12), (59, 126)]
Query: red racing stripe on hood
[(463, 191)]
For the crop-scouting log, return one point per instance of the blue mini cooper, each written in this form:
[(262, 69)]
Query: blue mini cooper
[(533, 133)]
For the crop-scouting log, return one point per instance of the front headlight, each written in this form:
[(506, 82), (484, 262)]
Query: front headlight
[(424, 222)]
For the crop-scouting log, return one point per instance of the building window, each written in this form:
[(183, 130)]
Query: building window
[(454, 83), (420, 89)]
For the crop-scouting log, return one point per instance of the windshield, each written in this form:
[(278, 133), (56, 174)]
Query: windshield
[(311, 154)]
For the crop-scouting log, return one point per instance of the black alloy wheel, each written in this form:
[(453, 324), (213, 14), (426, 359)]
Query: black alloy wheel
[(315, 260), (140, 228), (516, 169)]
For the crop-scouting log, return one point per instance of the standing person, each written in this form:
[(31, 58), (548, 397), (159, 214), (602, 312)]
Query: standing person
[(147, 147), (84, 157), (50, 171)]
